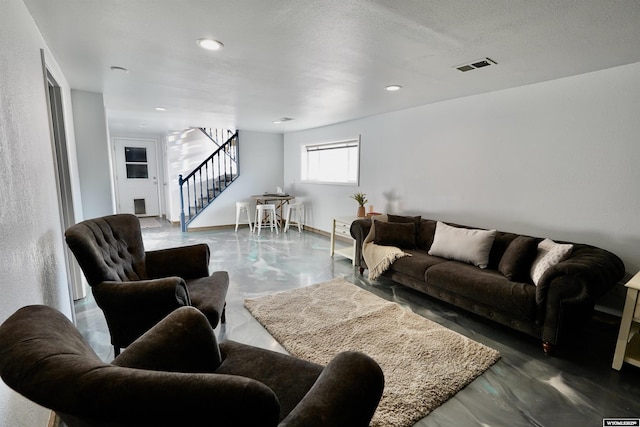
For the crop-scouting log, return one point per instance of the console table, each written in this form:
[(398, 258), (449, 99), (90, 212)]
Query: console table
[(628, 344), (341, 227)]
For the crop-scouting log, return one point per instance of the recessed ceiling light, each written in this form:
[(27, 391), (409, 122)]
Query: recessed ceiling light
[(161, 109), (116, 68), (393, 88), (209, 44)]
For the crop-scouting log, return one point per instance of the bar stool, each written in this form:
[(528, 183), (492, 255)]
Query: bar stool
[(298, 210), (243, 206), (263, 211)]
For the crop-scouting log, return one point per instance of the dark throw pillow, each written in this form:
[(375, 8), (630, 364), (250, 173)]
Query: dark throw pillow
[(517, 259), (407, 219), (399, 234), (402, 218)]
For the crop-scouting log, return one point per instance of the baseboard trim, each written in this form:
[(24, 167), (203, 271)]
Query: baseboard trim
[(304, 227), (212, 227)]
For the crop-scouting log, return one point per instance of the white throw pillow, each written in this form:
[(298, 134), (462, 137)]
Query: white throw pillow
[(549, 254), (462, 244)]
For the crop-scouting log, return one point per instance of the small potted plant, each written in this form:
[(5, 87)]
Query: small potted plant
[(361, 198)]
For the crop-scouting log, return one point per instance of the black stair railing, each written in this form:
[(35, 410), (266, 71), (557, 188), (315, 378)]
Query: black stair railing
[(218, 135), (202, 186)]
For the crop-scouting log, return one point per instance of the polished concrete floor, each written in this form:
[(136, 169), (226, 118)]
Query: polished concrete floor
[(577, 387)]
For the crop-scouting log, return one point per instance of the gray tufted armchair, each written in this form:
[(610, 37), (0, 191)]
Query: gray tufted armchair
[(136, 288)]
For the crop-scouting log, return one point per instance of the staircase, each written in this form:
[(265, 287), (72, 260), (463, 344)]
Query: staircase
[(202, 186)]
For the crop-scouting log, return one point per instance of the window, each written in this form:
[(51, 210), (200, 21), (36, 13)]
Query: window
[(136, 162), (331, 163)]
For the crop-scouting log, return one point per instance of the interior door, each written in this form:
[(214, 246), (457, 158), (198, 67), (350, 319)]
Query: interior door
[(137, 176)]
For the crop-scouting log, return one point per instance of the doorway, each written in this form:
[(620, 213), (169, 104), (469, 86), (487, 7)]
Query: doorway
[(136, 164), (63, 179)]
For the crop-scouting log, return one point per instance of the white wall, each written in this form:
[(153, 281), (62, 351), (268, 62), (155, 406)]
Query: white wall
[(183, 153), (93, 153), (31, 243), (261, 170), (557, 159)]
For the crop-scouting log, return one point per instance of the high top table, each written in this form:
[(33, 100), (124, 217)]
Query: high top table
[(277, 199)]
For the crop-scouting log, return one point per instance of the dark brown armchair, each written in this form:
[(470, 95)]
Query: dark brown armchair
[(177, 375), (136, 289)]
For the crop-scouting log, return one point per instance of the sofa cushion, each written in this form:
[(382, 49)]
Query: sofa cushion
[(549, 253), (499, 247), (404, 219), (426, 231), (516, 262), (400, 235), (463, 244), (486, 286), (415, 265)]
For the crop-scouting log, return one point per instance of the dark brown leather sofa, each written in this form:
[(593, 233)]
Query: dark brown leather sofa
[(561, 303)]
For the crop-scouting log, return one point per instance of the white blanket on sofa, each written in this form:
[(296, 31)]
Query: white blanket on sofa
[(379, 258)]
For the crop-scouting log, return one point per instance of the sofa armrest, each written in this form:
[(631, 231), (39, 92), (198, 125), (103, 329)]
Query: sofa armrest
[(359, 230), (567, 292), (181, 342), (132, 308), (188, 262), (597, 269), (346, 394)]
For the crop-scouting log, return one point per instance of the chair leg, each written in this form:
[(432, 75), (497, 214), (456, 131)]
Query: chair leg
[(274, 222), (249, 220), (258, 222), (286, 224), (237, 218), (300, 213)]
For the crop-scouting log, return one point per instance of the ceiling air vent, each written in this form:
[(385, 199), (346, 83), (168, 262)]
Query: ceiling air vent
[(481, 63), (282, 120)]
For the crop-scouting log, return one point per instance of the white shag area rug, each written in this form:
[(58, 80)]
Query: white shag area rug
[(424, 363)]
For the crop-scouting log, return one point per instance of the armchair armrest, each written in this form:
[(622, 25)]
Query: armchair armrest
[(359, 230), (116, 395), (181, 342), (188, 262), (346, 394), (132, 308)]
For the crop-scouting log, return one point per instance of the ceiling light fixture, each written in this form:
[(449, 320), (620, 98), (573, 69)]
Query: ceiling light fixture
[(161, 109), (393, 88), (209, 44)]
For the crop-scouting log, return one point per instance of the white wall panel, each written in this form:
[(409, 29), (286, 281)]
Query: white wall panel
[(557, 159)]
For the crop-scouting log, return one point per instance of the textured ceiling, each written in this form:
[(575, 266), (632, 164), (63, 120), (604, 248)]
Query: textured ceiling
[(319, 62)]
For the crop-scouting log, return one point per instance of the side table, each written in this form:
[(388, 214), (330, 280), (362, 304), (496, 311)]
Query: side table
[(628, 344), (341, 227)]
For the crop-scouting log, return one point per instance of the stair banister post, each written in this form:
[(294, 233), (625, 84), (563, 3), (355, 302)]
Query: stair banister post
[(183, 225)]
